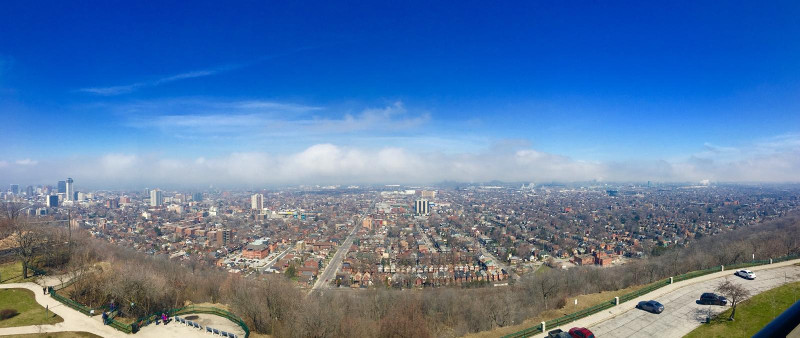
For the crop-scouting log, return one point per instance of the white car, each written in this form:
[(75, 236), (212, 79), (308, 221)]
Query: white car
[(746, 274)]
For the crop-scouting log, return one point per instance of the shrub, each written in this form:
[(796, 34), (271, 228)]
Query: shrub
[(8, 313)]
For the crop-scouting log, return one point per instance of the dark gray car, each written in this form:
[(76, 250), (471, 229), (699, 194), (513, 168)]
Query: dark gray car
[(713, 299), (650, 306)]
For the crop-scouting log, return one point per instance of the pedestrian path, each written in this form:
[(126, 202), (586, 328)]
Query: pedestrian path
[(73, 319)]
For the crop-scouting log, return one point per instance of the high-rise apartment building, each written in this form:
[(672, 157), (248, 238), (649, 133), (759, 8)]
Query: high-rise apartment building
[(70, 190), (112, 203), (156, 198), (422, 207), (257, 202), (223, 236)]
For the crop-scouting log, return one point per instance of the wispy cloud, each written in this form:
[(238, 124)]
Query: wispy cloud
[(264, 118), (26, 161), (128, 88)]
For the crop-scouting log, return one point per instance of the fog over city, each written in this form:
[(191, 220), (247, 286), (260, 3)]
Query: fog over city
[(775, 160)]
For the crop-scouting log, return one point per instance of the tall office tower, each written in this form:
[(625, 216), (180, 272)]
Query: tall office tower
[(52, 201), (421, 207), (197, 197), (29, 190), (15, 189), (62, 187), (156, 198), (70, 193), (257, 202)]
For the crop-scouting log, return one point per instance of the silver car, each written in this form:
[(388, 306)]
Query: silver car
[(747, 274)]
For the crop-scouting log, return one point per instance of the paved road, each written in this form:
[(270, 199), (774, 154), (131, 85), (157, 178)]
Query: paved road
[(336, 261), (279, 256), (682, 314)]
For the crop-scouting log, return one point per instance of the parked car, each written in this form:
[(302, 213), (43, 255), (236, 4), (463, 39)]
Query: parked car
[(746, 274), (558, 333), (713, 299), (650, 306), (580, 332)]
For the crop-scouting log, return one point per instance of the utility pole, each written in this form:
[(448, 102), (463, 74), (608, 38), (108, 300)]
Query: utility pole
[(69, 227)]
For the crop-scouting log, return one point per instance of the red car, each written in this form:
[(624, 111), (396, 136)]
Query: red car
[(580, 332)]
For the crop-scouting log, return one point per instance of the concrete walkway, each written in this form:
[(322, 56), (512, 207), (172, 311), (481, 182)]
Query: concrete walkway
[(73, 319), (681, 314)]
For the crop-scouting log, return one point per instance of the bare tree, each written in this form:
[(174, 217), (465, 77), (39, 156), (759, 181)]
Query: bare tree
[(500, 308), (734, 292), (547, 284), (10, 211)]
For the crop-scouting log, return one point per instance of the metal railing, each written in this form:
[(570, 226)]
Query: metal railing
[(191, 309), (783, 324), (71, 303)]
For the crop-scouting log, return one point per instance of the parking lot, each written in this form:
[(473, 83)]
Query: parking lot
[(682, 314)]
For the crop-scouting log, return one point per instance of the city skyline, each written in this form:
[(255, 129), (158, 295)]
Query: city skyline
[(275, 94)]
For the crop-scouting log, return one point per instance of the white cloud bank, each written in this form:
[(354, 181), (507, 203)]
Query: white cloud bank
[(332, 164)]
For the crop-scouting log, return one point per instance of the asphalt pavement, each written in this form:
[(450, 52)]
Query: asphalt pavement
[(681, 313)]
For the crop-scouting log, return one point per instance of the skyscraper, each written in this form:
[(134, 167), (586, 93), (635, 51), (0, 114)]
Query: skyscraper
[(257, 202), (421, 207), (70, 190), (62, 187), (15, 189), (197, 197), (29, 190), (156, 198)]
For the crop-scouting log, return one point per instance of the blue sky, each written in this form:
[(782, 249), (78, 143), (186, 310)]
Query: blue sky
[(672, 91)]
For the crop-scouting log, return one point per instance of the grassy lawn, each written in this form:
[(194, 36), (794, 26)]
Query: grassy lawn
[(752, 314), (30, 312), (12, 273), (584, 301), (542, 269), (69, 334)]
